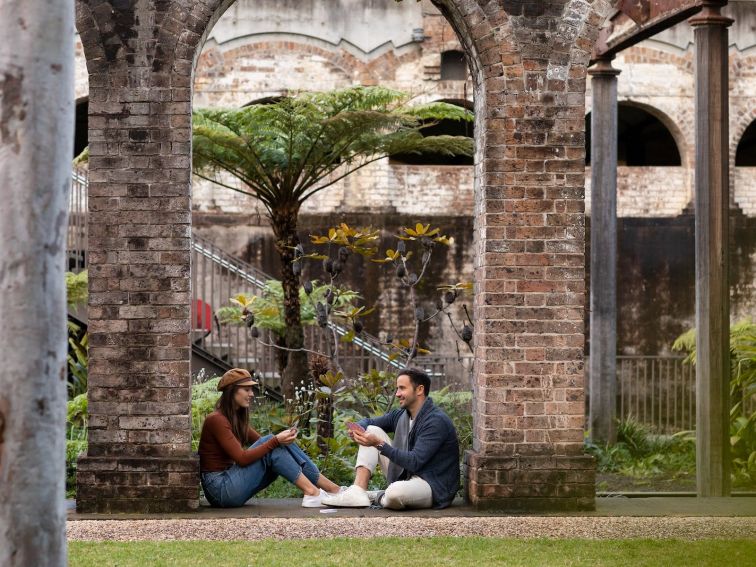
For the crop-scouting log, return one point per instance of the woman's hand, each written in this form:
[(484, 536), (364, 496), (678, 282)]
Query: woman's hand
[(287, 436)]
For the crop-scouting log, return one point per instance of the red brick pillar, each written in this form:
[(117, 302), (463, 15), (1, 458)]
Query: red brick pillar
[(529, 400), (139, 457)]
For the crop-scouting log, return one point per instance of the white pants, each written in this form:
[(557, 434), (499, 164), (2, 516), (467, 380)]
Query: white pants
[(412, 493)]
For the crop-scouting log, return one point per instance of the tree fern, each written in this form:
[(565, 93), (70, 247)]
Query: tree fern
[(284, 153)]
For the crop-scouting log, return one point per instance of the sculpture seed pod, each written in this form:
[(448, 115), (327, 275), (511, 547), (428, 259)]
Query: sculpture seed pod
[(467, 333)]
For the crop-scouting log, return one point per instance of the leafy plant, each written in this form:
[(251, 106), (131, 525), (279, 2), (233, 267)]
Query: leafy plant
[(77, 418), (267, 309), (77, 288), (77, 359), (742, 395), (640, 453), (204, 397), (77, 292)]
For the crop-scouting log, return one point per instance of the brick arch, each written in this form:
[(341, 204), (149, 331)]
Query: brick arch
[(88, 31), (529, 89), (669, 123), (741, 125)]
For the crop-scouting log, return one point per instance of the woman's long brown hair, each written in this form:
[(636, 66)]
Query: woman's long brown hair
[(239, 419)]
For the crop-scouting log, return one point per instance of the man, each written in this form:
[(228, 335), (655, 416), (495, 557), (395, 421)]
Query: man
[(421, 464)]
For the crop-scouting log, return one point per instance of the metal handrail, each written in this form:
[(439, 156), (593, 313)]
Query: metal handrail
[(223, 265), (259, 279)]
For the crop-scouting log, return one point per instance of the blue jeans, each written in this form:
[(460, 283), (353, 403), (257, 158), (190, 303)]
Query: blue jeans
[(234, 486)]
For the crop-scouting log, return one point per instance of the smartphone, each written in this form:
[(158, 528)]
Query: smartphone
[(352, 426)]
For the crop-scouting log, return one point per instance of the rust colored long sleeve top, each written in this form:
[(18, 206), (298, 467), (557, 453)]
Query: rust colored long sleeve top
[(219, 448)]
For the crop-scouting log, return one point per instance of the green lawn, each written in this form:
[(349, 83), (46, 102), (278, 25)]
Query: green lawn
[(443, 551)]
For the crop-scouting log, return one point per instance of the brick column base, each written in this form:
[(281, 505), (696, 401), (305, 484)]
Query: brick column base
[(530, 484), (137, 484)]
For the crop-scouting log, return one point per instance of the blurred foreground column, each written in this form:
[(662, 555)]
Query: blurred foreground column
[(36, 146)]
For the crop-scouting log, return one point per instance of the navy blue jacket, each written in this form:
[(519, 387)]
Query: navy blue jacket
[(432, 450)]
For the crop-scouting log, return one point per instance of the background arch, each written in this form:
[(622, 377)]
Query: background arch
[(646, 137), (745, 152)]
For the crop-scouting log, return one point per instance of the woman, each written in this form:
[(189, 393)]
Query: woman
[(232, 473)]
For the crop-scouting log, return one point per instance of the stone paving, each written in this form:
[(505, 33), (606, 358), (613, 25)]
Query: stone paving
[(671, 517)]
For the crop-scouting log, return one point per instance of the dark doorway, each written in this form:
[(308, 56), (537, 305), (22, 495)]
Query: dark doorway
[(442, 128), (642, 139), (745, 156), (81, 127), (453, 66)]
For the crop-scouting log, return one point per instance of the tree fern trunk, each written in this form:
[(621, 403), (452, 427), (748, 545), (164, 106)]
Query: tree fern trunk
[(284, 219), (36, 147)]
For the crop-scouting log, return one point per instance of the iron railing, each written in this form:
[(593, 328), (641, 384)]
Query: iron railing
[(659, 391), (76, 238), (218, 276)]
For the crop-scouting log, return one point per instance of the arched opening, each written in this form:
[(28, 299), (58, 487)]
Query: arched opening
[(81, 126), (442, 128), (745, 156), (453, 66), (642, 139)]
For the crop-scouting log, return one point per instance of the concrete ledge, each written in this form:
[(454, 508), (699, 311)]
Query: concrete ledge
[(605, 507)]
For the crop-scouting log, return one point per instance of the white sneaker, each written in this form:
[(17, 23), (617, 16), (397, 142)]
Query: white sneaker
[(314, 501), (352, 497)]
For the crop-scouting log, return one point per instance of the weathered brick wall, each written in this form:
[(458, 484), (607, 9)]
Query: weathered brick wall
[(380, 188), (745, 189), (649, 191)]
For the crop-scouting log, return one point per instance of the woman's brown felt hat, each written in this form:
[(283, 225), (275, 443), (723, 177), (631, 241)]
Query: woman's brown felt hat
[(236, 377)]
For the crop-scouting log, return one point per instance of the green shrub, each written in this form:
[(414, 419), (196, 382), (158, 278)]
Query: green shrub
[(640, 453), (204, 397), (742, 396), (76, 438)]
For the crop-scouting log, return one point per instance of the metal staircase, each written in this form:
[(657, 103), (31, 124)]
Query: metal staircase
[(216, 277)]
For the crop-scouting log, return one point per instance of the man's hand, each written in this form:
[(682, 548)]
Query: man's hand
[(365, 439), (287, 436)]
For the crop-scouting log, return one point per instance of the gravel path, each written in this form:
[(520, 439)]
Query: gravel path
[(690, 528)]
